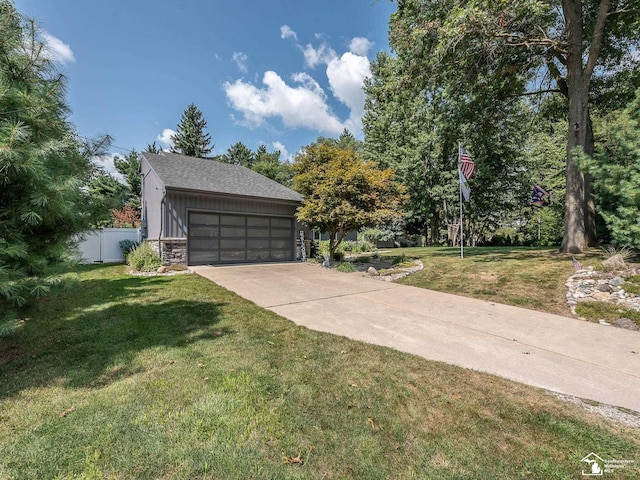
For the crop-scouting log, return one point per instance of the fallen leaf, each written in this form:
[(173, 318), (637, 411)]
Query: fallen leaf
[(372, 423), (67, 411), (294, 460)]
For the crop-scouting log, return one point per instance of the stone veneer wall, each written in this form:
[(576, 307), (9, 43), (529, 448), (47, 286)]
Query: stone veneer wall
[(174, 250)]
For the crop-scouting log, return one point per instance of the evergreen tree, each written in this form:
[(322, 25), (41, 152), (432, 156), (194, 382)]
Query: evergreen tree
[(615, 167), (239, 154), (269, 165), (129, 168), (190, 138), (153, 148), (42, 168)]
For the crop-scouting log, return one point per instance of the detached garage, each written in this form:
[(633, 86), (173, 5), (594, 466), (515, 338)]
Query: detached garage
[(203, 212)]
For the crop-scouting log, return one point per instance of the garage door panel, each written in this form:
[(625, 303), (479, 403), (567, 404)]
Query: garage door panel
[(233, 232), (234, 238), (258, 243), (281, 233), (233, 255), (203, 231), (204, 243), (204, 219), (258, 232), (208, 256), (258, 255), (232, 220), (233, 243), (258, 221), (281, 222)]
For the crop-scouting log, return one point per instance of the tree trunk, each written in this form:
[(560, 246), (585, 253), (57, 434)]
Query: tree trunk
[(579, 223), (589, 201), (573, 240)]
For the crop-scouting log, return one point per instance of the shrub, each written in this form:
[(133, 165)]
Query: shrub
[(625, 252), (346, 267), (400, 259), (143, 259), (127, 246), (356, 246)]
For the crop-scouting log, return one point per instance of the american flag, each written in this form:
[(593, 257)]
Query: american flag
[(537, 195), (466, 163), (576, 264)]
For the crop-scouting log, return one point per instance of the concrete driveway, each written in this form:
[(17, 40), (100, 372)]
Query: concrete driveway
[(557, 353)]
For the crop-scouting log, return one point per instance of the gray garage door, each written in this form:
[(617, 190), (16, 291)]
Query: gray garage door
[(228, 238)]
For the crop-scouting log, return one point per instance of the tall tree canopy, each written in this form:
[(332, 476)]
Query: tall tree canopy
[(190, 138), (615, 167), (343, 192), (500, 50), (269, 165), (415, 130), (238, 154), (42, 169)]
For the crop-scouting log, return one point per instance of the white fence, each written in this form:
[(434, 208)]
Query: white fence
[(104, 245)]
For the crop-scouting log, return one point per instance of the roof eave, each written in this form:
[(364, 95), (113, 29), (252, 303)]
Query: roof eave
[(236, 195)]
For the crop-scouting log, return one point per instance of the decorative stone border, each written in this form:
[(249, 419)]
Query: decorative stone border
[(591, 285)]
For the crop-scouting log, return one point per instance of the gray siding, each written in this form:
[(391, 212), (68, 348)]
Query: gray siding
[(178, 203), (152, 192)]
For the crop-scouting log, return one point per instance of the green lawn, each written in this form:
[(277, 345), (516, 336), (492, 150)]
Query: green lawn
[(174, 377), (526, 277)]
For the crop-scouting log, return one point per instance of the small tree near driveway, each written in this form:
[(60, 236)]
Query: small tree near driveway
[(343, 192)]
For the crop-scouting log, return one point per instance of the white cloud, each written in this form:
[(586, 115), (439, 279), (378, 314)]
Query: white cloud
[(286, 32), (299, 106), (306, 104), (166, 137), (346, 77), (308, 82), (59, 51), (360, 46), (284, 154), (106, 163), (241, 61), (315, 56)]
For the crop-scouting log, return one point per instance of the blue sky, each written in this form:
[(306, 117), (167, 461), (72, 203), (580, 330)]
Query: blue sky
[(274, 72)]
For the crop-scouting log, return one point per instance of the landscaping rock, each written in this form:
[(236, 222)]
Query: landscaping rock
[(590, 285), (162, 269), (614, 263), (372, 271), (626, 323), (616, 281)]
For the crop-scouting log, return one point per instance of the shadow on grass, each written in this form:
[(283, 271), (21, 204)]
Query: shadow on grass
[(91, 335)]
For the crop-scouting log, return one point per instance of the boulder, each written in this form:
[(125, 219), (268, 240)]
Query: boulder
[(372, 271), (625, 323), (162, 269), (614, 263)]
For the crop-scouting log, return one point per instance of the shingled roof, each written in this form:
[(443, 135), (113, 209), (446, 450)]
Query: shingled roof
[(210, 176)]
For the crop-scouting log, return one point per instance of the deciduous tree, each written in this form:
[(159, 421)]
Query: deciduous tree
[(343, 192), (505, 49)]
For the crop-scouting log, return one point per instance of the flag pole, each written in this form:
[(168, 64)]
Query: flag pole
[(460, 188)]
